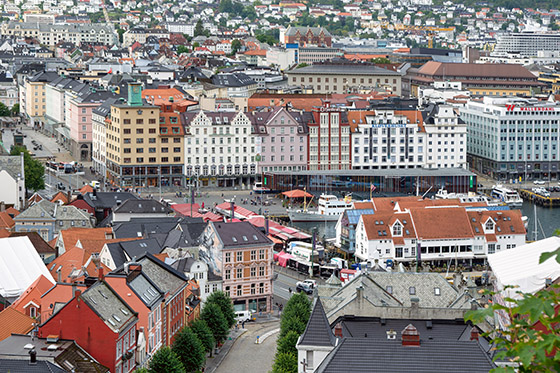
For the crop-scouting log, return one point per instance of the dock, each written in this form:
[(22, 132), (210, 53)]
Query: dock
[(552, 201)]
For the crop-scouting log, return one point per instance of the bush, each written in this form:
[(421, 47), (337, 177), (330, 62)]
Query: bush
[(166, 361), (204, 334), (216, 321), (223, 301), (189, 349)]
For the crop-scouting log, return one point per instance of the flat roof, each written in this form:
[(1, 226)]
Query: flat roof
[(415, 172)]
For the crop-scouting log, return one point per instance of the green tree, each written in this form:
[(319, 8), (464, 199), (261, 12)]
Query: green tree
[(381, 60), (285, 363), (223, 301), (235, 46), (121, 32), (4, 110), (204, 334), (226, 6), (166, 361), (533, 349), (189, 349), (199, 28), (303, 64), (182, 49), (287, 344), (34, 170), (212, 314)]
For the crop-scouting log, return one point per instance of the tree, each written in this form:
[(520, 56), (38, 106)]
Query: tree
[(34, 170), (303, 64), (182, 49), (381, 60), (166, 361), (223, 301), (216, 321), (532, 339), (235, 46), (285, 363), (15, 110), (287, 344), (204, 334), (120, 32), (4, 110), (189, 349), (199, 28)]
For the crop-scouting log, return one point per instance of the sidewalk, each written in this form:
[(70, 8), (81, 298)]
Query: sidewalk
[(214, 362)]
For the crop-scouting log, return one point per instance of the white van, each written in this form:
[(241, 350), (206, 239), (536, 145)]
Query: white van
[(242, 316)]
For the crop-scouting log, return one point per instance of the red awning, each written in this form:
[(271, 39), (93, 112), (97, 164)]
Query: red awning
[(297, 193)]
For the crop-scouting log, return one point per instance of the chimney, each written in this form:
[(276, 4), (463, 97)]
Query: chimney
[(135, 94), (77, 293), (100, 274), (474, 333), (410, 336), (338, 330), (414, 303), (457, 279), (360, 294), (2, 206), (32, 357)]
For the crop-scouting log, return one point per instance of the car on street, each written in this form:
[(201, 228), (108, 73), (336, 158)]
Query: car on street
[(60, 186), (312, 283), (305, 287), (538, 182), (243, 316)]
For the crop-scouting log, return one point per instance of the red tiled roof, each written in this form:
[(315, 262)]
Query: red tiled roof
[(14, 322), (60, 196), (72, 235), (6, 221), (33, 293), (444, 222), (86, 189)]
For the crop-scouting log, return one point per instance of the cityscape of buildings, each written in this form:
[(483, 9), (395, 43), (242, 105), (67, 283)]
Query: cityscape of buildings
[(178, 140)]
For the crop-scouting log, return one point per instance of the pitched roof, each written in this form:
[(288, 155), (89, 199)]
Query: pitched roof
[(60, 196), (441, 223), (357, 355), (123, 251), (6, 221), (240, 234), (12, 164), (42, 246), (318, 331), (13, 321), (167, 278), (22, 365), (110, 308), (482, 70), (106, 199), (144, 206), (33, 293), (70, 237)]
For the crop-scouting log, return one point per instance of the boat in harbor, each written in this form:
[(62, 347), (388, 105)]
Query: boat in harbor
[(329, 208), (508, 196), (468, 197)]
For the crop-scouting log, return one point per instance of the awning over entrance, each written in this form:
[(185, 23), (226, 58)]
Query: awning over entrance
[(65, 132)]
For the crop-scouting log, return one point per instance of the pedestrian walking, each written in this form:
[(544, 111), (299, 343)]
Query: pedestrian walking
[(243, 324)]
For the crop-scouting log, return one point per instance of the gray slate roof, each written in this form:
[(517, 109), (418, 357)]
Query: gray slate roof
[(11, 365), (12, 164), (146, 290), (167, 278), (145, 206), (318, 331), (116, 314), (134, 249), (240, 234), (107, 199), (366, 355), (145, 227)]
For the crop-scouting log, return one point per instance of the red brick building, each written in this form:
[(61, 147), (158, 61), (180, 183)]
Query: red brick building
[(308, 36)]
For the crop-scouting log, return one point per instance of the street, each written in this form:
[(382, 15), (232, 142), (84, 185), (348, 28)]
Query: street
[(248, 357)]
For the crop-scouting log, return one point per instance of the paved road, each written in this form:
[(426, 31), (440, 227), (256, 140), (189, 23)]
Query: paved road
[(280, 287), (247, 357)]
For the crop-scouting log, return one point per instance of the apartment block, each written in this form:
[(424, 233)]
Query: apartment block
[(144, 144), (513, 138)]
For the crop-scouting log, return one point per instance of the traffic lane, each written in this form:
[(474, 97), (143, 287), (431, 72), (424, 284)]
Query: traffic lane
[(281, 286)]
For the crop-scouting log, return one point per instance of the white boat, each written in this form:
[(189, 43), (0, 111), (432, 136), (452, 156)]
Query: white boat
[(258, 188), (329, 209), (506, 195), (468, 198)]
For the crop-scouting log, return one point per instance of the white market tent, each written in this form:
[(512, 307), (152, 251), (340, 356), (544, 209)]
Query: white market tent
[(20, 265), (520, 267)]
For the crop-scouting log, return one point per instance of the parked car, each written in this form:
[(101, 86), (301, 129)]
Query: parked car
[(538, 182), (310, 282), (60, 186)]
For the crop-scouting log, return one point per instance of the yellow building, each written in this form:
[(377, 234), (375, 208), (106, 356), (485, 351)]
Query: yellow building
[(35, 100), (144, 145)]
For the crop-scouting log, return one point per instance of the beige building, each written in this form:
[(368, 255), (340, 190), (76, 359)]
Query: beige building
[(144, 145), (34, 96), (345, 78), (141, 34)]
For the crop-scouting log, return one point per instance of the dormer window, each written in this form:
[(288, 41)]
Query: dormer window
[(397, 229), (489, 226)]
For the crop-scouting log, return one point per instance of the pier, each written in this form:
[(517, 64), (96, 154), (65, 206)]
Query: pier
[(552, 201)]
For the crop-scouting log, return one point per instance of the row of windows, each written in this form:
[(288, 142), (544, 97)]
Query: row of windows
[(152, 160)]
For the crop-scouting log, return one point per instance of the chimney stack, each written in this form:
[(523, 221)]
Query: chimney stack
[(338, 330), (100, 274), (474, 333), (77, 293), (410, 336), (32, 357)]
